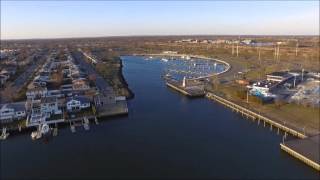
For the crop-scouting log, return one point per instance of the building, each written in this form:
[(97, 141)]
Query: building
[(77, 103), (36, 116), (279, 76), (12, 111), (80, 84), (262, 88), (49, 106), (36, 92), (170, 52)]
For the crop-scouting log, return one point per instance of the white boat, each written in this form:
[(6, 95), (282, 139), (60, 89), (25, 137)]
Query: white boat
[(164, 60), (4, 134), (45, 129), (36, 135)]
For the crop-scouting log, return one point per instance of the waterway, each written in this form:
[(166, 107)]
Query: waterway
[(164, 135)]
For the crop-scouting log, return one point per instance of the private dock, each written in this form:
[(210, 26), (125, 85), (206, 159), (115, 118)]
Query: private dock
[(193, 91), (307, 150)]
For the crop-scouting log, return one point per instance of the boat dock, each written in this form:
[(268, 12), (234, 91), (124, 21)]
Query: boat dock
[(193, 91), (256, 116), (307, 150)]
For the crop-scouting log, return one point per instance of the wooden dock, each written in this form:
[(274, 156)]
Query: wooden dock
[(307, 150), (255, 116), (188, 91)]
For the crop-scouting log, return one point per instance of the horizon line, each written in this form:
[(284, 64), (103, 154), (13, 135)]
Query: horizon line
[(158, 35)]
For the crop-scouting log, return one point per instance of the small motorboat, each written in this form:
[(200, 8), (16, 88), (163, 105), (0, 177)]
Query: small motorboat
[(164, 60), (4, 134), (36, 135)]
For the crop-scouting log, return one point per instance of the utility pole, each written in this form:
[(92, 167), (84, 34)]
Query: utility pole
[(232, 48), (278, 52), (259, 55), (237, 49), (247, 96), (275, 53)]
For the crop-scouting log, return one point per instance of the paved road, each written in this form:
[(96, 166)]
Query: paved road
[(101, 83), (23, 79)]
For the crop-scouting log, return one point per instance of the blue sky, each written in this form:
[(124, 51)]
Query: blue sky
[(54, 19)]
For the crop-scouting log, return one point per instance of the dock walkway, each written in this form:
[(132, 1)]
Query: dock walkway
[(307, 150), (188, 91), (255, 116)]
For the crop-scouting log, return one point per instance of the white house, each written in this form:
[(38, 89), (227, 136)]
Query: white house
[(12, 111), (77, 103)]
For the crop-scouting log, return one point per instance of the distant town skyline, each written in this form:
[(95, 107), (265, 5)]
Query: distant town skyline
[(64, 19)]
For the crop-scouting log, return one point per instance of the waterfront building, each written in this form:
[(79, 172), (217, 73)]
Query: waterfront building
[(49, 106), (279, 76), (77, 103), (12, 111)]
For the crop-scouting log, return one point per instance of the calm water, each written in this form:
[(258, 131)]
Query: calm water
[(165, 135)]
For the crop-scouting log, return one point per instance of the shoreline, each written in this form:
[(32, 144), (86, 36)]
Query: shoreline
[(228, 69), (124, 82)]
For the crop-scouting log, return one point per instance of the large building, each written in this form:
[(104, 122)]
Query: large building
[(279, 76)]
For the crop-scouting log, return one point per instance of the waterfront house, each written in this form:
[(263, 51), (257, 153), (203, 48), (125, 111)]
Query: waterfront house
[(77, 103), (12, 111), (104, 98), (49, 106), (36, 117)]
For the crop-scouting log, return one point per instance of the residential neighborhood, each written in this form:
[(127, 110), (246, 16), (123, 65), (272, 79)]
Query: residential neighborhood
[(62, 92)]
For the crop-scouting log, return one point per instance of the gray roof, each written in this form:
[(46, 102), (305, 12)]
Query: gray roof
[(281, 74), (82, 99), (17, 106)]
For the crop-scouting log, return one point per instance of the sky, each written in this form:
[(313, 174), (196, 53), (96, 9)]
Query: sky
[(60, 19)]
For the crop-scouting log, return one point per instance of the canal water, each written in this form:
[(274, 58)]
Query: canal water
[(165, 135)]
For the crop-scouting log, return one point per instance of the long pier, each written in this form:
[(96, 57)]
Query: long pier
[(255, 116), (306, 150)]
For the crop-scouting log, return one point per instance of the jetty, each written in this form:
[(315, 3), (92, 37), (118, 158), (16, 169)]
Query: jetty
[(191, 91), (307, 150), (256, 116)]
